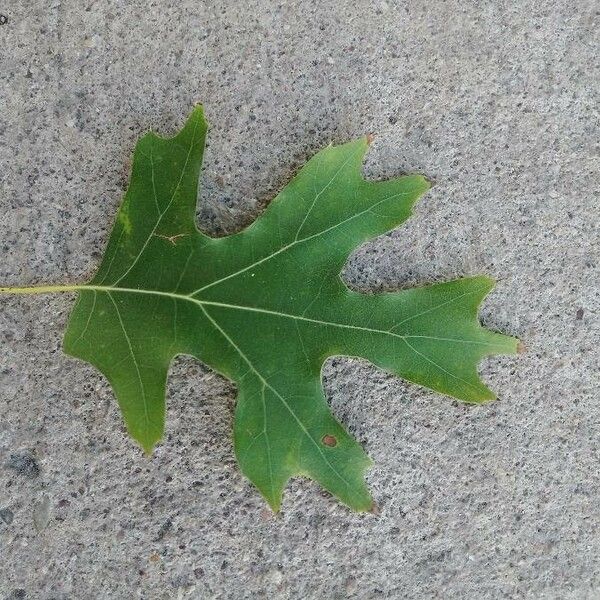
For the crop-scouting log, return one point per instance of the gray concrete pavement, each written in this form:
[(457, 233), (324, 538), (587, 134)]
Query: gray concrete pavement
[(497, 101)]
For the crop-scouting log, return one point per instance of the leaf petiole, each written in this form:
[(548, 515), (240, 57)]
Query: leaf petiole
[(43, 289)]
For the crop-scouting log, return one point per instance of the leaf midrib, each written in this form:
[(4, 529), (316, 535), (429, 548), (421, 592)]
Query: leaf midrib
[(203, 303), (190, 298)]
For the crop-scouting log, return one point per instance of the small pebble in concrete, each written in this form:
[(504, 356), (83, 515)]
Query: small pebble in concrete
[(24, 464), (164, 529), (41, 513), (6, 515)]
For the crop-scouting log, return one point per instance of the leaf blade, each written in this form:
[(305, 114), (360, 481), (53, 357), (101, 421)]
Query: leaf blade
[(266, 306)]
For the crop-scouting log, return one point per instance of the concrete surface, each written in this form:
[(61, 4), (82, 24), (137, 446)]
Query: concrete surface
[(495, 100)]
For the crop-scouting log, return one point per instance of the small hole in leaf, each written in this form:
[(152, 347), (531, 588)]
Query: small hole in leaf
[(329, 440)]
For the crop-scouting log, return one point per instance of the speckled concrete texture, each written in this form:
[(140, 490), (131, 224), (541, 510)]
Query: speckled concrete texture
[(495, 100)]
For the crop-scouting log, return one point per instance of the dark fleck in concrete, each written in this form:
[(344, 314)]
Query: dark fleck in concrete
[(6, 515), (23, 463)]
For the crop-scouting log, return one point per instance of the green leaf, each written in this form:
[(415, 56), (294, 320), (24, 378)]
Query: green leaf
[(265, 307)]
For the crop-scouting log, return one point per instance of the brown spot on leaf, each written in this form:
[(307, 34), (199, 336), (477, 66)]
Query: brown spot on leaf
[(329, 440)]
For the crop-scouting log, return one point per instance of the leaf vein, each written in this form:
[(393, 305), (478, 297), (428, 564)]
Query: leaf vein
[(137, 368), (277, 394), (164, 212)]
